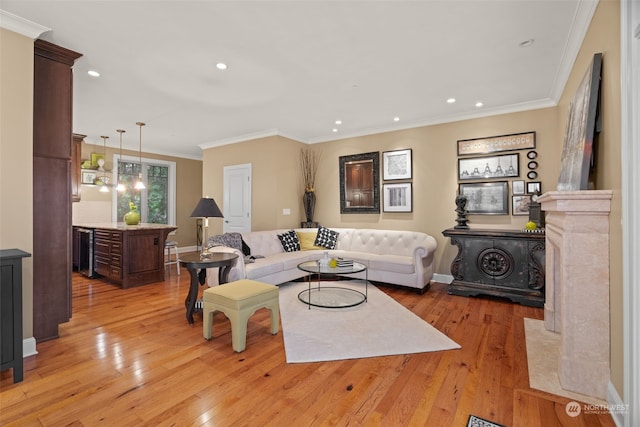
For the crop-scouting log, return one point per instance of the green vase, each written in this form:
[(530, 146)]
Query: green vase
[(132, 218)]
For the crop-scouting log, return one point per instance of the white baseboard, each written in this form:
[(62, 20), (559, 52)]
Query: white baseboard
[(619, 411), (442, 278), (188, 249), (29, 347)]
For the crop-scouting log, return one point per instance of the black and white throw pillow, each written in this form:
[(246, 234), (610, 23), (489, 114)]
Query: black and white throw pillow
[(326, 238), (289, 240)]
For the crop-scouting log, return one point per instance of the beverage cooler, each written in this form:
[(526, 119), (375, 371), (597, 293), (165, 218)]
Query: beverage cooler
[(85, 251)]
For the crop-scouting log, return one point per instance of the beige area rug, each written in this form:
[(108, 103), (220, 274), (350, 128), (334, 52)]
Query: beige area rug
[(378, 327), (543, 351)]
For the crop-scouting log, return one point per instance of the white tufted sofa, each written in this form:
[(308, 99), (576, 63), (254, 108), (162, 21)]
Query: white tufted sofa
[(402, 258)]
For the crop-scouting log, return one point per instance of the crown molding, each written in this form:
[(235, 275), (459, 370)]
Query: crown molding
[(476, 114), (22, 26), (246, 137), (579, 27)]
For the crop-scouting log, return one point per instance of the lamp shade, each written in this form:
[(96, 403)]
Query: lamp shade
[(207, 208)]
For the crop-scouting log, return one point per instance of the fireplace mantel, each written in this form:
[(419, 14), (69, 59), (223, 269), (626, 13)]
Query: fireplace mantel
[(577, 296)]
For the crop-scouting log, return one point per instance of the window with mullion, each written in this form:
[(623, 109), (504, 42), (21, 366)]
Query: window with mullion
[(156, 203)]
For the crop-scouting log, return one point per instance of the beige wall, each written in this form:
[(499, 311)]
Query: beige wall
[(277, 179), (604, 36), (95, 204), (16, 153), (276, 175), (435, 172), (276, 185)]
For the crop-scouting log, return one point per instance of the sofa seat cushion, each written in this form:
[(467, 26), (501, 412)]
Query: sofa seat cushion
[(392, 263), (291, 260), (361, 257), (264, 267)]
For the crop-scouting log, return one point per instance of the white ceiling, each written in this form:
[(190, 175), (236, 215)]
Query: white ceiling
[(295, 67)]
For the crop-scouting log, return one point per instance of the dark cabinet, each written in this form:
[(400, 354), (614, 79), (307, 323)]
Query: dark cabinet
[(11, 311), (501, 263), (107, 249), (52, 152), (131, 256)]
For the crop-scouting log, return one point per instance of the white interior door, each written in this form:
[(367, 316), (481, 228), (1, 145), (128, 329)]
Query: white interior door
[(237, 198)]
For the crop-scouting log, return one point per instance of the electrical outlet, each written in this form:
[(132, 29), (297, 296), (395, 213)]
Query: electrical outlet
[(286, 211)]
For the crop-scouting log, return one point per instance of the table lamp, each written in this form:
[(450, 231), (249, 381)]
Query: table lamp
[(206, 208)]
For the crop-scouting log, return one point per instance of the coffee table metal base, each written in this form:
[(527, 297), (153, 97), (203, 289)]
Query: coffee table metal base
[(332, 297)]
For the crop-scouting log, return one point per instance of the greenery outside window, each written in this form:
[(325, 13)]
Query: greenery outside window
[(157, 202)]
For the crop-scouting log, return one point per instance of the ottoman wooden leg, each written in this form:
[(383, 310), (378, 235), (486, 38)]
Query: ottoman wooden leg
[(275, 316), (239, 321), (207, 320)]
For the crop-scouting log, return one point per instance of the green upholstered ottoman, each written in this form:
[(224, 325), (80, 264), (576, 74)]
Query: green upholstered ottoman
[(238, 301)]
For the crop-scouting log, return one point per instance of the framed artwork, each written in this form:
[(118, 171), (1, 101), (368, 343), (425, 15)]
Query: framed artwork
[(577, 160), (397, 197), (486, 198), (534, 187), (520, 204), (495, 144), (517, 187), (503, 166), (88, 177), (396, 164), (359, 183)]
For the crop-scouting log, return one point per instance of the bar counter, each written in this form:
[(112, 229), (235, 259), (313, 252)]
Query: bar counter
[(129, 255)]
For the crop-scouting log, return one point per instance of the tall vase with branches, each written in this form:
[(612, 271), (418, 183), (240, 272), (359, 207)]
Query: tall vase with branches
[(309, 160)]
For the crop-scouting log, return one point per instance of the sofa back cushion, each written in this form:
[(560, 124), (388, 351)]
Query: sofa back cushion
[(383, 242), (264, 243), (380, 242)]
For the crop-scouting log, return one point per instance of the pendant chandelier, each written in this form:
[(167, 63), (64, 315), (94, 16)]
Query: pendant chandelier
[(140, 184), (121, 186)]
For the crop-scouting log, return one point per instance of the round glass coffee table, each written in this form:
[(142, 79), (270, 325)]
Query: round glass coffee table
[(332, 296)]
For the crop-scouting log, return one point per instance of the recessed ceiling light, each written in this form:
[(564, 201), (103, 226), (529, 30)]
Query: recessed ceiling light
[(93, 73), (221, 66), (479, 104), (396, 119), (335, 130), (338, 122), (526, 43), (451, 100)]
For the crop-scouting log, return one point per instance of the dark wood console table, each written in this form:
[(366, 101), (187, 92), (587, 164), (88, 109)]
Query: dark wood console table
[(504, 263), (192, 262)]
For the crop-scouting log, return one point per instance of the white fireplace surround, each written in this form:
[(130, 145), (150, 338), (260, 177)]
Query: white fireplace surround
[(577, 286)]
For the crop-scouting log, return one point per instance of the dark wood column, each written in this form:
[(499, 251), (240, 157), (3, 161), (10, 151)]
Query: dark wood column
[(52, 139)]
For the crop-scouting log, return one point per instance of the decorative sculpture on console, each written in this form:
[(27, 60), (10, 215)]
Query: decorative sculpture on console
[(461, 210)]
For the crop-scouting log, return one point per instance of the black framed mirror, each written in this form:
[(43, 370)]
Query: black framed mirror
[(360, 183)]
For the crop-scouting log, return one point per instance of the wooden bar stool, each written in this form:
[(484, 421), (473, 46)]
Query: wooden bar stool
[(168, 245), (238, 301)]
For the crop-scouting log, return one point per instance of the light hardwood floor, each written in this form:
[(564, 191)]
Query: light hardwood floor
[(129, 358)]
